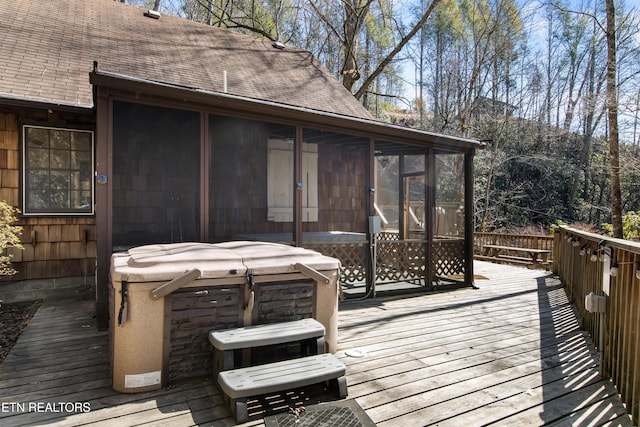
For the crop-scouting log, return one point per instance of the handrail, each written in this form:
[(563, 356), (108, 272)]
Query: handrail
[(584, 262), (623, 244), (312, 273), (167, 288)]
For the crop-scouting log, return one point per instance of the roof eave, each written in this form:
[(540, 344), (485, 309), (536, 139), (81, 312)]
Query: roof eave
[(24, 102), (272, 110)]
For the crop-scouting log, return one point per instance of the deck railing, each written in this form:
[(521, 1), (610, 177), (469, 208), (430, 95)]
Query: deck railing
[(585, 262), (514, 240)]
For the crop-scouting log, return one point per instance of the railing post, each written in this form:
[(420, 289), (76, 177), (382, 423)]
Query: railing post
[(555, 252)]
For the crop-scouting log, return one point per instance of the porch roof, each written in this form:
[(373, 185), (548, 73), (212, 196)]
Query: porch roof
[(388, 136)]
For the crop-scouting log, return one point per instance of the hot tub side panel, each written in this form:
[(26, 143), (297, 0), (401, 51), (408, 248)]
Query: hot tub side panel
[(192, 313), (137, 341), (327, 308)]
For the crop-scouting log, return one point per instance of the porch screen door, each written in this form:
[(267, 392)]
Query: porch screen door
[(156, 175), (414, 206)]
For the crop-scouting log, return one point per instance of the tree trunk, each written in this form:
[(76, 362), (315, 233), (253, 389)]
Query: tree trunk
[(612, 108), (437, 80), (354, 16), (585, 152), (547, 112), (487, 188)]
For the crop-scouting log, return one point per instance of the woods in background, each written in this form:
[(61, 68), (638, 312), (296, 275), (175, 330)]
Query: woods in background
[(529, 78)]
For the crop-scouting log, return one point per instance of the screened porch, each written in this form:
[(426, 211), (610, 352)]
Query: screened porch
[(392, 204)]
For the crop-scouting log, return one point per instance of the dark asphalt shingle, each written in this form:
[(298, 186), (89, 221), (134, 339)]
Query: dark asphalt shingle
[(47, 49)]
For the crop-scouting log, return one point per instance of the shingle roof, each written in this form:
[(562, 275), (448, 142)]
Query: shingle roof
[(48, 47)]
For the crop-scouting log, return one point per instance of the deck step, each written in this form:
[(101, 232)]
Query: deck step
[(269, 334), (238, 384), (278, 376), (309, 332)]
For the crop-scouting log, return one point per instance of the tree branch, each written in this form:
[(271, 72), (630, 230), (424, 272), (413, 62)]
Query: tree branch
[(589, 15), (386, 61)]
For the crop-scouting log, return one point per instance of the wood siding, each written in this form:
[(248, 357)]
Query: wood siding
[(54, 246), (155, 175), (237, 180), (343, 189)]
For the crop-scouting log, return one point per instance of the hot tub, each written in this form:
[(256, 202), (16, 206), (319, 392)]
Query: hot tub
[(164, 300)]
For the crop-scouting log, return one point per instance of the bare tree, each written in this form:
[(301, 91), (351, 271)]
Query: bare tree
[(387, 60), (348, 32), (612, 111)]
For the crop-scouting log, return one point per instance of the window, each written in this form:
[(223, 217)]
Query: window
[(58, 171), (280, 181)]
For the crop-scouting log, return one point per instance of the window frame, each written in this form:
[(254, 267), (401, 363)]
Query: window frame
[(25, 169)]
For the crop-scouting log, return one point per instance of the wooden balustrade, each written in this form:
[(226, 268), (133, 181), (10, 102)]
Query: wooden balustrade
[(483, 240), (584, 262), (508, 239)]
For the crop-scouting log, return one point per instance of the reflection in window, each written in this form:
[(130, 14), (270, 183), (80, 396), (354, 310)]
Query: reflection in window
[(58, 171)]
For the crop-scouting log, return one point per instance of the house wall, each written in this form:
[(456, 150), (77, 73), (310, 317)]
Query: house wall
[(59, 251), (237, 180), (343, 189)]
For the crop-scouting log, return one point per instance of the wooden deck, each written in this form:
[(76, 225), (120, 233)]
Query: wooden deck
[(509, 353)]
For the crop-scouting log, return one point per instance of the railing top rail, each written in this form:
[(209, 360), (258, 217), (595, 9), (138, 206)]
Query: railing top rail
[(538, 236), (623, 244)]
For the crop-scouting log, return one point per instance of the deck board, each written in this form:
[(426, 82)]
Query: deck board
[(509, 353)]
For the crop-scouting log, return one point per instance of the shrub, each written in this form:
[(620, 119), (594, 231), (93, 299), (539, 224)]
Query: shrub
[(630, 226), (9, 237)]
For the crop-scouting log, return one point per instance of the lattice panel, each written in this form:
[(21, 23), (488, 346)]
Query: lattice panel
[(448, 257), (389, 235), (353, 257), (399, 260), (396, 260)]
